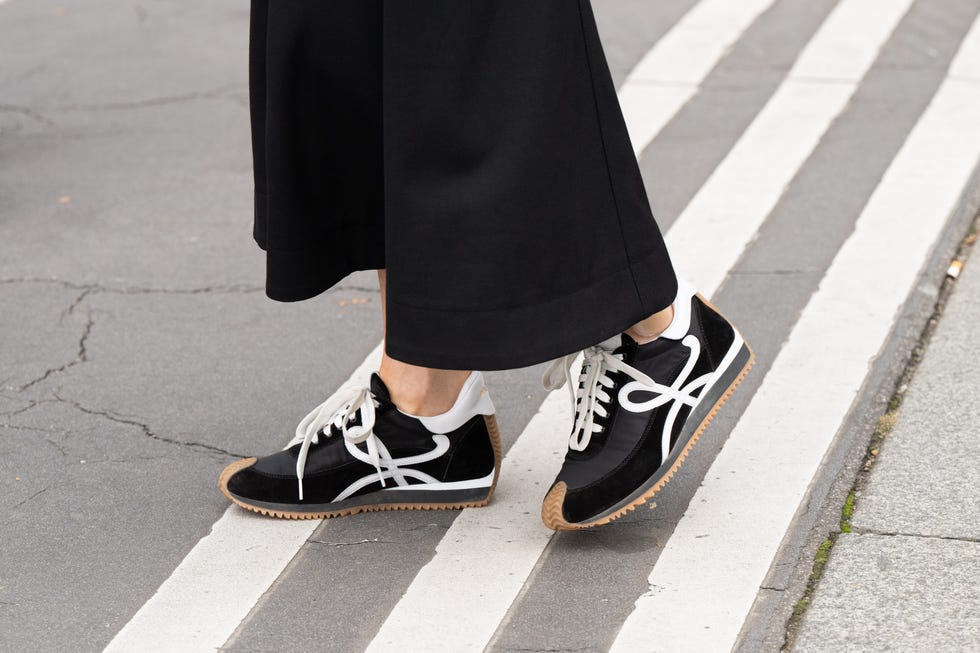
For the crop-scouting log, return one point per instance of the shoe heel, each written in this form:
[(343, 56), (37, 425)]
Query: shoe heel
[(476, 457), (498, 450)]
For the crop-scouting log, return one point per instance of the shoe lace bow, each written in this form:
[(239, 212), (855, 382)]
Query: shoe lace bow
[(339, 411), (591, 397)]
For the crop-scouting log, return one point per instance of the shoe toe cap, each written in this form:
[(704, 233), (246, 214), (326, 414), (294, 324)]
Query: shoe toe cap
[(243, 479), (569, 508), (553, 508)]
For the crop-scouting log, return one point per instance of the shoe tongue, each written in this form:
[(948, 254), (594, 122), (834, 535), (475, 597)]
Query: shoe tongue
[(378, 388), (627, 347)]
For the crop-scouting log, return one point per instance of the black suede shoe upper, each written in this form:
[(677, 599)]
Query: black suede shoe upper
[(330, 468)]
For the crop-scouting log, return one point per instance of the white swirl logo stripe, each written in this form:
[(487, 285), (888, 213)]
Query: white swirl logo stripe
[(677, 392), (391, 467)]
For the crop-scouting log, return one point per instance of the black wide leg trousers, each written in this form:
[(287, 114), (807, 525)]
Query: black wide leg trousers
[(475, 149)]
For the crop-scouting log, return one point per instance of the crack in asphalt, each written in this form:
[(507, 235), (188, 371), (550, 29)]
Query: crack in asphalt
[(80, 357), (233, 289), (30, 498), (221, 93), (28, 112), (31, 404), (57, 446), (147, 431), (92, 288), (339, 544), (86, 291), (78, 300), (870, 531)]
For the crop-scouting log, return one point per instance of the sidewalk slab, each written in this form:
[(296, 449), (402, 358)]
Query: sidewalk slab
[(896, 593), (926, 480)]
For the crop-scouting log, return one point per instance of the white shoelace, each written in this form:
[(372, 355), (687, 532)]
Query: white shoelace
[(339, 412), (588, 400)]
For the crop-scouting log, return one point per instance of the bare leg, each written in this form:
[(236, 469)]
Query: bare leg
[(418, 390), (646, 330)]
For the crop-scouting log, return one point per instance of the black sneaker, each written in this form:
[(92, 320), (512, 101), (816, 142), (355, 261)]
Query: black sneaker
[(360, 453), (638, 411)]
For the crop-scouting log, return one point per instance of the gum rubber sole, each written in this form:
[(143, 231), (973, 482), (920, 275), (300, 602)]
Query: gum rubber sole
[(551, 509), (238, 465)]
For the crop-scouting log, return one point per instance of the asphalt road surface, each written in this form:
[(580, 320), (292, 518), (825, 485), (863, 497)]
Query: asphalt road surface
[(812, 162)]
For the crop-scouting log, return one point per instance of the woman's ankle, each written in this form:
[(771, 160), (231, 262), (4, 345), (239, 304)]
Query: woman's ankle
[(421, 391), (650, 329)]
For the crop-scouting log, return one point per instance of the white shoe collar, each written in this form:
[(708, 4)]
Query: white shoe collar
[(681, 324)]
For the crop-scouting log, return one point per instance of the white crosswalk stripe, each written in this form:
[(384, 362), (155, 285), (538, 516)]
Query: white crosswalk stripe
[(459, 600), (486, 555)]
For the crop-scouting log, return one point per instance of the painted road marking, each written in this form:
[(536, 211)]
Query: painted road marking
[(734, 202), (673, 70), (205, 599), (486, 568), (724, 545)]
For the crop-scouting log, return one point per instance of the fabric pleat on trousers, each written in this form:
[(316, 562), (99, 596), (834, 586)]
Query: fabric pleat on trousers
[(476, 150)]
